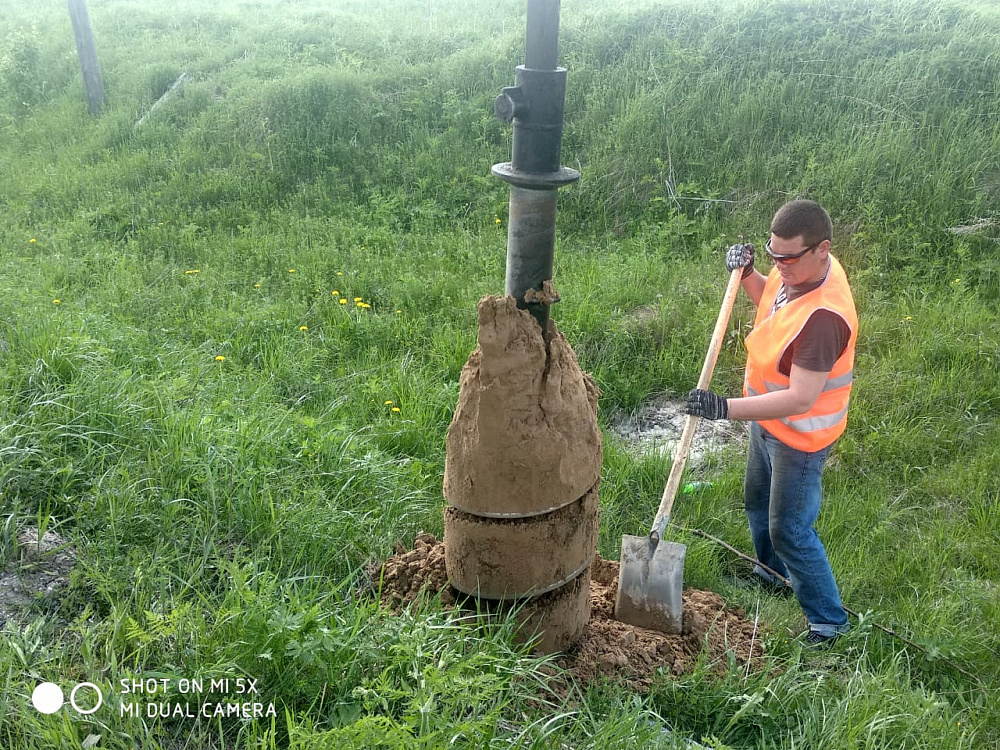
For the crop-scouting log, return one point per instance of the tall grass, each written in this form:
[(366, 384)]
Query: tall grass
[(211, 429)]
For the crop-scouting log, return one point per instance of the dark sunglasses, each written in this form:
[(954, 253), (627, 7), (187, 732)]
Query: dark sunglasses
[(787, 260)]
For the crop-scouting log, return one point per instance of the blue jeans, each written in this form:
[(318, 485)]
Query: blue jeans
[(782, 496)]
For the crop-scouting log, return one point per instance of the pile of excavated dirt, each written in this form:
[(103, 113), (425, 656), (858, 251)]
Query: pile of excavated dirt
[(608, 649)]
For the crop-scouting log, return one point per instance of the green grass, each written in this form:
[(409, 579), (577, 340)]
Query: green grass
[(224, 510)]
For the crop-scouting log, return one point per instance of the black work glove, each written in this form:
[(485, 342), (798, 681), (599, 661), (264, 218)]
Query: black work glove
[(707, 405), (740, 256)]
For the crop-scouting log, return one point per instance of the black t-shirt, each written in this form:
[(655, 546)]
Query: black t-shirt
[(821, 341)]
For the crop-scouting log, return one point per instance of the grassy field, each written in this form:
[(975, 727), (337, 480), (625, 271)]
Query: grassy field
[(230, 343)]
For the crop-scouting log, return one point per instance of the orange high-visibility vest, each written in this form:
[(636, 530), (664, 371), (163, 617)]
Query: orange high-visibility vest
[(773, 334)]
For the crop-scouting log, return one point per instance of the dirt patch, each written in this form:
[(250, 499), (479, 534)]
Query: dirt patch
[(614, 649), (524, 439), (40, 570), (657, 427), (606, 648)]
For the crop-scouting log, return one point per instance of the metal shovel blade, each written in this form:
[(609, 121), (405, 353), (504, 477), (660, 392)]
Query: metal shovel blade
[(650, 584)]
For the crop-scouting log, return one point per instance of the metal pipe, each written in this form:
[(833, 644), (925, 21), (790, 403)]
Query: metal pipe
[(535, 106), (531, 239), (541, 49)]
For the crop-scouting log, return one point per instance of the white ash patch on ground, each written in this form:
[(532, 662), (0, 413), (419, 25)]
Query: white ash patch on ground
[(657, 427), (39, 569)]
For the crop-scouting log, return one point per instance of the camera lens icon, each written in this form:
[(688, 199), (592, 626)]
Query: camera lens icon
[(47, 698)]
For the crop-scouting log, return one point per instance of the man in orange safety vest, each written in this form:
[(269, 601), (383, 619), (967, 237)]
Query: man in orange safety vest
[(800, 365)]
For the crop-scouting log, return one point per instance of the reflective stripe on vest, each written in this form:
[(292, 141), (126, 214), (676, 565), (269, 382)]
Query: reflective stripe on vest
[(774, 332), (831, 384)]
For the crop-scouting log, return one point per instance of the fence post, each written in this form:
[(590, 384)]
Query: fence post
[(87, 53)]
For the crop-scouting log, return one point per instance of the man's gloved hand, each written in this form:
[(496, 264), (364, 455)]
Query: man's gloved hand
[(740, 256), (707, 405)]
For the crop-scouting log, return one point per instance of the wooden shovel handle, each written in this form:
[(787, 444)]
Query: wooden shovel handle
[(687, 435)]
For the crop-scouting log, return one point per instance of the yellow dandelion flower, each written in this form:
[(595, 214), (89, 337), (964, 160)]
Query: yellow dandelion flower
[(343, 301), (497, 220), (399, 311), (908, 317), (335, 293), (56, 301), (159, 223), (395, 408), (256, 286), (219, 358), (32, 240), (303, 328), (365, 305), (357, 299), (291, 270), (387, 403), (956, 281), (340, 273)]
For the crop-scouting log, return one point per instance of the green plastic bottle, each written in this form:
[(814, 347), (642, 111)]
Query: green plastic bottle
[(695, 486)]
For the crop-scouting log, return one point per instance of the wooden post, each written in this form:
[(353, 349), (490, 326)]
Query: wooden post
[(87, 53)]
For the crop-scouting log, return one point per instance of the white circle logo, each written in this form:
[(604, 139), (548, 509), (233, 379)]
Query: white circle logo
[(47, 698), (72, 698)]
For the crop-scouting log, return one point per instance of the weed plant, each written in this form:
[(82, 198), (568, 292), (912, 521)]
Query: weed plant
[(230, 344)]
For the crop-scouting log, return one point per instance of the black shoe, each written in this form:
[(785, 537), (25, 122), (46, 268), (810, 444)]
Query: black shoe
[(816, 640)]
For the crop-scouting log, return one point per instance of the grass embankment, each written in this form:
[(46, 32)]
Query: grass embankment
[(192, 395)]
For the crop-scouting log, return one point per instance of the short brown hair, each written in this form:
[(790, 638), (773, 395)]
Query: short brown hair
[(802, 218)]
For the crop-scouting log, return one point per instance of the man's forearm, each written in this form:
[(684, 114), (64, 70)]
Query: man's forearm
[(775, 405), (753, 285)]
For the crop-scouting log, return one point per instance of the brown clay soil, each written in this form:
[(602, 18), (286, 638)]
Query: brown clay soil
[(524, 438), (499, 558), (609, 649)]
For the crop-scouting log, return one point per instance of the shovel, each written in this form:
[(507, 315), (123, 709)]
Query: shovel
[(651, 574)]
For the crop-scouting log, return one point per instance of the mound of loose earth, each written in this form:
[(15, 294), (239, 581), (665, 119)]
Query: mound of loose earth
[(609, 648)]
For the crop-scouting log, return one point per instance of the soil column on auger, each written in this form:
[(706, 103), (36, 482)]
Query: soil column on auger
[(524, 448)]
